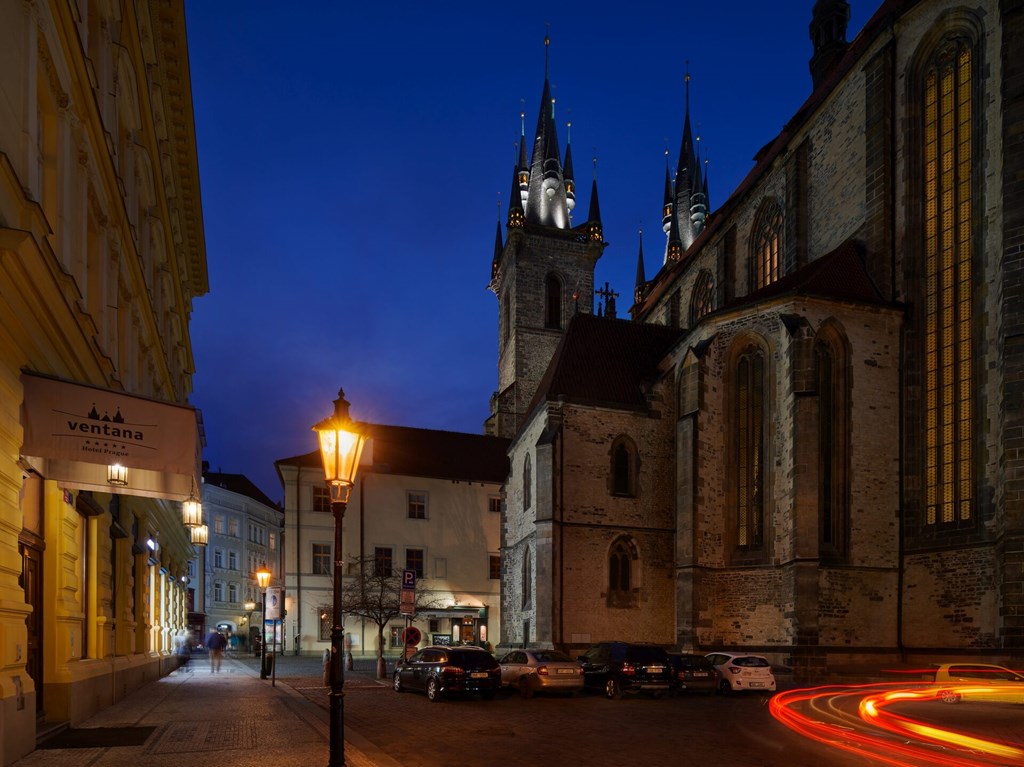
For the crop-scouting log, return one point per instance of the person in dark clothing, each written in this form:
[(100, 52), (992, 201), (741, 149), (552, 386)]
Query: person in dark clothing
[(216, 643), (184, 653)]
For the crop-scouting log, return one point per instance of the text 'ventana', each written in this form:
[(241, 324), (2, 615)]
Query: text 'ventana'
[(107, 430)]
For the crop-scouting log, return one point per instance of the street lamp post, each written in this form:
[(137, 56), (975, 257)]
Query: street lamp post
[(263, 579), (341, 444)]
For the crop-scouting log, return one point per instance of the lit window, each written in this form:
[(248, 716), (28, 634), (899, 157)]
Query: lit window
[(765, 244), (948, 314)]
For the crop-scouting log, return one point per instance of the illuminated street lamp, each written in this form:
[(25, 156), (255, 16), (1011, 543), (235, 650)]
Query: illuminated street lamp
[(341, 444), (263, 579)]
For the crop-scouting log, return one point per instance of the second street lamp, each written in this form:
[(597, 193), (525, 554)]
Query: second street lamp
[(263, 579), (341, 445), (250, 608)]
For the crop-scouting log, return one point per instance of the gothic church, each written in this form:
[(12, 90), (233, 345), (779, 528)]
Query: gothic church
[(808, 439)]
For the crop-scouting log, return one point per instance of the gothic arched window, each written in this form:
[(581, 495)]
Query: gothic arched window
[(527, 483), (750, 447), (947, 185), (623, 466), (552, 302), (621, 583), (703, 299), (527, 577), (833, 436), (766, 244)]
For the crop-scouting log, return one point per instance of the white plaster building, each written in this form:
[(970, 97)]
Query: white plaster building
[(424, 500)]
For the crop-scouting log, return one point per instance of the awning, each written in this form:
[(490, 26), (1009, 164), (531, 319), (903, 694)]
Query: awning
[(74, 431)]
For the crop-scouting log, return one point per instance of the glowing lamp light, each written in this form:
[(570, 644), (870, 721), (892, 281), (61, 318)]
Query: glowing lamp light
[(200, 535), (341, 446), (117, 475), (192, 512), (263, 576)]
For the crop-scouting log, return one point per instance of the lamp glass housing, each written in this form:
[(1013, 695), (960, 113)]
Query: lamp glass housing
[(200, 535), (117, 475), (263, 576), (341, 447), (191, 513)]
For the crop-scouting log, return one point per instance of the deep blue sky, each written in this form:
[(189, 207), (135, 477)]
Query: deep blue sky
[(352, 156)]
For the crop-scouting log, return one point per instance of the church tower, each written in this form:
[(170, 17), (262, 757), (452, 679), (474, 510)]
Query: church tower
[(543, 272)]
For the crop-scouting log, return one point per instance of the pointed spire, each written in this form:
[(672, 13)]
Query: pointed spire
[(516, 214), (498, 246), (666, 206), (640, 286), (685, 175), (594, 231), (567, 174), (675, 243), (546, 202)]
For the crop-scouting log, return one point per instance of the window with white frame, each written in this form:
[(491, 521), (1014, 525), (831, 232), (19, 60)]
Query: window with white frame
[(218, 558), (417, 504), (232, 560), (232, 592), (233, 527), (321, 559), (218, 591)]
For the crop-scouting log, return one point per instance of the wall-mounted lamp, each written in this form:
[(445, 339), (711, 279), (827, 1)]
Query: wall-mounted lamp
[(117, 475), (151, 544), (200, 535)]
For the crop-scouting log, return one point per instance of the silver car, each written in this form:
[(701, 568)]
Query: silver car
[(532, 671)]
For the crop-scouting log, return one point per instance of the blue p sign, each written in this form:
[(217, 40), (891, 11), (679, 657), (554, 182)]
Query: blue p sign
[(409, 579)]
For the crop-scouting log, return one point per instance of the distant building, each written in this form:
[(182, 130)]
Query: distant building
[(102, 254), (245, 533), (424, 500), (806, 441)]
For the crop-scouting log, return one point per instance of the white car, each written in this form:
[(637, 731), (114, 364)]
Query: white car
[(742, 671)]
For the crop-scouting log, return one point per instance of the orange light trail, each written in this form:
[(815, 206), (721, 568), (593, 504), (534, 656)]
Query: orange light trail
[(858, 719)]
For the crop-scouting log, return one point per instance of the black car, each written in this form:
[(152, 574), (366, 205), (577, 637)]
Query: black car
[(438, 671), (693, 673), (626, 667)]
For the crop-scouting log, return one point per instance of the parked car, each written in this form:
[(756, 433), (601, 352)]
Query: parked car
[(439, 671), (692, 673), (742, 671), (626, 667), (533, 671), (978, 682)]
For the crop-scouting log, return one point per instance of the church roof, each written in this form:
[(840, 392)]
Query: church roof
[(604, 361), (413, 452), (840, 275)]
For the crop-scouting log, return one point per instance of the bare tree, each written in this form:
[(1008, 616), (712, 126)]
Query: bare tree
[(375, 594)]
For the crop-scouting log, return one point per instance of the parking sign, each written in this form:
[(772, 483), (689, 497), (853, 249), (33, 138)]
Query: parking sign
[(409, 580)]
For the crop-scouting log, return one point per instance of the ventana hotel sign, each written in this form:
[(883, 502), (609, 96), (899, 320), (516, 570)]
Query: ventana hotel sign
[(77, 431)]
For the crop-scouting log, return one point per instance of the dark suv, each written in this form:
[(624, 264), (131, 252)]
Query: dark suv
[(621, 667), (439, 671)]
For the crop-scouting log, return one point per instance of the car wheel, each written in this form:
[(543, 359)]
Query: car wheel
[(724, 687), (612, 689), (433, 691), (398, 683), (948, 696), (525, 688)]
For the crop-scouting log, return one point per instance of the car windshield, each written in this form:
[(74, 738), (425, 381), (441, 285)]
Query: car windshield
[(552, 656), (750, 661)]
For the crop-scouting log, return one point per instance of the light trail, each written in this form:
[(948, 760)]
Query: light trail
[(859, 719)]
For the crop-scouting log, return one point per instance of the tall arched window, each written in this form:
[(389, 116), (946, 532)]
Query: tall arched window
[(766, 244), (703, 299), (552, 302), (527, 578), (750, 447), (623, 466), (833, 436), (621, 583), (947, 186), (527, 483)]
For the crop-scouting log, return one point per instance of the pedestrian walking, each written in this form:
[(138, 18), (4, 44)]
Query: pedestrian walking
[(184, 653), (216, 643)]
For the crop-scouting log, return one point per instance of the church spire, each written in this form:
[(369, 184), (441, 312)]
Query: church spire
[(640, 286), (546, 203), (567, 174), (594, 231)]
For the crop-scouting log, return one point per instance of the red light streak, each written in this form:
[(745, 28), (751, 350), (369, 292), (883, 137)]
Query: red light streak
[(858, 719)]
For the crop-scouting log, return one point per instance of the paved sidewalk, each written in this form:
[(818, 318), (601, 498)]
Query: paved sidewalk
[(229, 718)]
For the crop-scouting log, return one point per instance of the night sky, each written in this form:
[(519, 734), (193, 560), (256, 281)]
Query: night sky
[(352, 158)]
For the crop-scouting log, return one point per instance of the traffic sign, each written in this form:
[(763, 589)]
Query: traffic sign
[(409, 580), (411, 636)]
